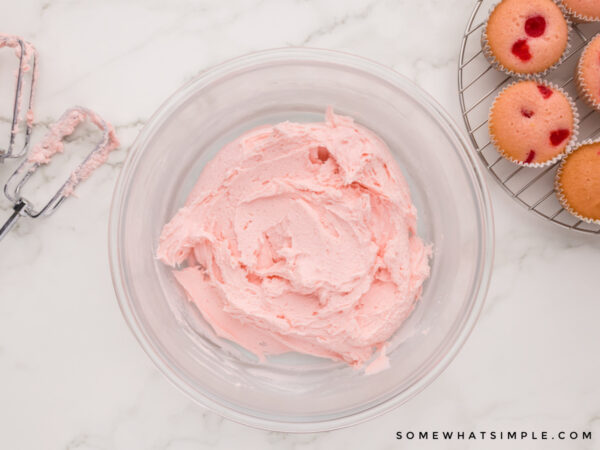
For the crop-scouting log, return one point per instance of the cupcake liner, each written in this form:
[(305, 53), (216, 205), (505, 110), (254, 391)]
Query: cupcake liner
[(559, 191), (487, 51), (584, 92), (576, 17), (571, 144)]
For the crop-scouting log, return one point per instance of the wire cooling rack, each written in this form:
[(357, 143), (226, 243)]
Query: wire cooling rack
[(478, 85)]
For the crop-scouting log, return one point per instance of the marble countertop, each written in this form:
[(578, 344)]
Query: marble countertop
[(74, 377)]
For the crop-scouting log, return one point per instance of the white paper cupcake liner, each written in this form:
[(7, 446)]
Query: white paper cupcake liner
[(571, 144), (559, 191), (487, 51), (584, 92), (576, 17)]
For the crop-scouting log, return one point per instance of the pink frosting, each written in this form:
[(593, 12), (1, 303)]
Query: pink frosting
[(11, 41), (301, 237), (65, 126)]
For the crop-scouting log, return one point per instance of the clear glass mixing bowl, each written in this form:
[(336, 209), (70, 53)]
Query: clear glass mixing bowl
[(294, 392)]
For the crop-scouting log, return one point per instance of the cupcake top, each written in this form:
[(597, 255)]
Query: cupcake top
[(583, 9), (578, 182), (588, 72), (526, 36), (531, 123)]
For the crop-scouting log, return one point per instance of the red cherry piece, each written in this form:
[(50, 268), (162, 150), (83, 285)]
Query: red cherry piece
[(526, 112), (535, 26), (323, 154), (530, 156), (557, 136), (521, 50), (545, 91)]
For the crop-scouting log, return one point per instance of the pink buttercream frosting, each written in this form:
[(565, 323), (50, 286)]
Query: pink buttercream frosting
[(53, 143), (301, 237)]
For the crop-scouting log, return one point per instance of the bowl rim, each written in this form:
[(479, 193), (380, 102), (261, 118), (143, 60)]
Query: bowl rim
[(305, 54)]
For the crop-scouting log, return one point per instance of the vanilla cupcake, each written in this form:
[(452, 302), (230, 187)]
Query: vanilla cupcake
[(588, 74), (525, 37), (582, 10), (533, 123), (578, 182)]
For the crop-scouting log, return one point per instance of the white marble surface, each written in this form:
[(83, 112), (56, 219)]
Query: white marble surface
[(72, 375)]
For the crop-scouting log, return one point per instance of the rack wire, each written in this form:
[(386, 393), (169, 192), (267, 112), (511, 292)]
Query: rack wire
[(478, 85)]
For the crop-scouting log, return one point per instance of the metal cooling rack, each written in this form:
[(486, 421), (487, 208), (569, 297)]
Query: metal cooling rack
[(478, 85)]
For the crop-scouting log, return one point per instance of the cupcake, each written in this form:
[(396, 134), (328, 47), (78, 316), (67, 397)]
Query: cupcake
[(582, 10), (578, 182), (588, 74), (525, 37), (533, 123)]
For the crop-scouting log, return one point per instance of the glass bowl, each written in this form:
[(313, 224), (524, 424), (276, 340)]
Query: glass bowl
[(295, 392)]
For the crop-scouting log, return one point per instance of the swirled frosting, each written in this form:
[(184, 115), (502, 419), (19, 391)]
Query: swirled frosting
[(301, 237)]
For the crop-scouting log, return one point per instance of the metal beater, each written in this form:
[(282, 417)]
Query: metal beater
[(27, 55), (14, 185)]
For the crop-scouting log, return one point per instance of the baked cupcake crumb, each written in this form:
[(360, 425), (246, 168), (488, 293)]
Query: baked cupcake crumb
[(578, 182), (582, 10), (588, 73), (524, 37), (533, 123)]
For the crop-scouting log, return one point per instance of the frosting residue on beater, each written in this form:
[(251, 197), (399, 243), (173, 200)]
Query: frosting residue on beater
[(301, 237), (11, 41), (53, 143)]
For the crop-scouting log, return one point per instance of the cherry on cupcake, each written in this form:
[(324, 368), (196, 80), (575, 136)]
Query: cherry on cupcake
[(530, 156), (544, 90), (521, 50), (526, 112), (557, 136), (535, 26)]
